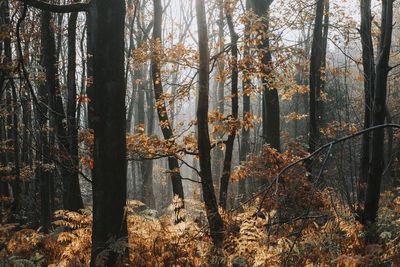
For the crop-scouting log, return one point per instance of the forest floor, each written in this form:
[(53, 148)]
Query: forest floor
[(330, 238)]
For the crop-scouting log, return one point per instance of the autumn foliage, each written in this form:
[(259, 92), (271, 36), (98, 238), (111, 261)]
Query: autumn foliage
[(293, 223)]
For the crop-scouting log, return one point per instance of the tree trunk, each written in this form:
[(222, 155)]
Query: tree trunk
[(15, 137), (204, 147), (369, 81), (270, 98), (226, 173), (73, 199), (245, 138), (315, 76), (371, 204), (44, 172), (217, 153), (325, 31), (12, 116), (107, 118), (166, 127), (147, 167)]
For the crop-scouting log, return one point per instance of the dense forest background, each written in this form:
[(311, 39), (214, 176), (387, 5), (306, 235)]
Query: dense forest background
[(200, 133)]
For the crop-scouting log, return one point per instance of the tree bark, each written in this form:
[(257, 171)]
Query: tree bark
[(217, 153), (315, 76), (147, 167), (204, 147), (73, 199), (246, 84), (270, 98), (325, 31), (371, 204), (369, 83), (226, 172), (165, 124), (12, 110), (107, 118), (44, 172)]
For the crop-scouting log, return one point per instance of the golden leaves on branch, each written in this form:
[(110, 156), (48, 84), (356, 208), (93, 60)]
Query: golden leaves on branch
[(335, 129), (142, 146), (293, 116)]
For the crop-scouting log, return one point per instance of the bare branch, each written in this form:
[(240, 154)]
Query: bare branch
[(69, 8)]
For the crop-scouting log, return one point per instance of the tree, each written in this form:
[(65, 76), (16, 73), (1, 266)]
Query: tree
[(382, 69), (67, 135), (270, 98), (315, 75), (108, 121), (246, 85), (233, 119), (165, 124), (369, 83), (44, 173), (219, 93), (7, 85), (203, 139), (73, 199)]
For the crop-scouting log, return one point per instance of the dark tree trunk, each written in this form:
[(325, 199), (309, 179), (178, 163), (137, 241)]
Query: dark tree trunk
[(12, 109), (16, 170), (315, 76), (4, 185), (270, 98), (217, 153), (204, 147), (369, 83), (245, 139), (325, 31), (166, 126), (147, 167), (43, 154), (73, 199), (107, 118), (131, 106), (371, 204), (226, 173)]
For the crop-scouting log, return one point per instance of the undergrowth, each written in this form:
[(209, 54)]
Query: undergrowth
[(251, 240), (295, 224)]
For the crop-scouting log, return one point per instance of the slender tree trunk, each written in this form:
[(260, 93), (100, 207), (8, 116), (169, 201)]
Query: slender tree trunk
[(73, 199), (15, 136), (270, 98), (217, 153), (204, 147), (389, 154), (4, 185), (371, 204), (45, 174), (226, 173), (369, 83), (165, 124), (107, 118), (147, 168), (325, 31), (246, 84), (315, 76), (12, 108)]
